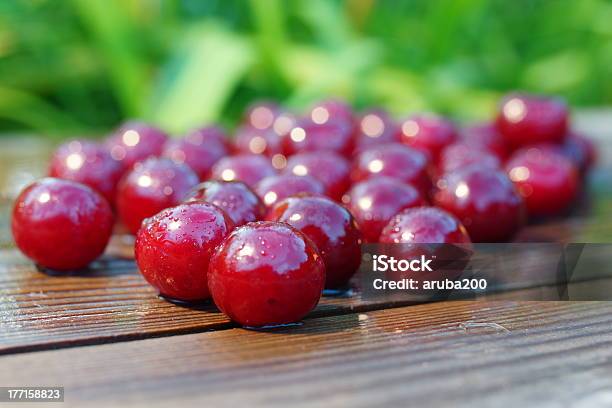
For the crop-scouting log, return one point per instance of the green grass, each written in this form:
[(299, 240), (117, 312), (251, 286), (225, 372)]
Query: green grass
[(82, 66)]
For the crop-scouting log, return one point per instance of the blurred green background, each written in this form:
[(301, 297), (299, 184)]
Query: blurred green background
[(81, 66)]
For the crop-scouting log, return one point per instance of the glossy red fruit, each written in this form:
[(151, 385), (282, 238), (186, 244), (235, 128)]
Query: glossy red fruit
[(135, 141), (486, 136), (150, 187), (427, 132), (546, 179), (237, 199), (331, 110), (374, 201), (329, 168), (275, 188), (394, 160), (462, 154), (307, 136), (266, 273), (580, 150), (528, 119), (333, 230), (200, 150), (89, 163), (61, 224), (173, 248), (256, 141), (484, 200), (248, 168), (375, 127), (261, 115)]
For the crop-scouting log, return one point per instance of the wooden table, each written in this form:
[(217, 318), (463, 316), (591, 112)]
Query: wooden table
[(108, 339)]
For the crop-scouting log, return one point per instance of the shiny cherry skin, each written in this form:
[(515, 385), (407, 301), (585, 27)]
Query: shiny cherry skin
[(261, 115), (174, 247), (462, 154), (237, 199), (485, 136), (197, 151), (331, 169), (427, 132), (266, 273), (394, 160), (307, 136), (375, 127), (374, 201), (248, 168), (484, 200), (153, 185), (134, 142), (332, 110), (580, 150), (89, 163), (61, 224), (255, 141), (333, 230), (546, 179), (275, 188), (529, 119)]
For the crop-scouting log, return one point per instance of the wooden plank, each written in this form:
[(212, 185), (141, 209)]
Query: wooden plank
[(465, 353)]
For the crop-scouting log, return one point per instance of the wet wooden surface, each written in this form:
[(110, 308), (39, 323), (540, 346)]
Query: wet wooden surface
[(107, 337)]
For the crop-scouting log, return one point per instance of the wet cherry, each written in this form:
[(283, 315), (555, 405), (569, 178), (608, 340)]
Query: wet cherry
[(462, 154), (329, 168), (272, 189), (486, 136), (307, 136), (266, 273), (248, 168), (333, 230), (135, 141), (375, 127), (61, 224), (174, 247), (428, 132)]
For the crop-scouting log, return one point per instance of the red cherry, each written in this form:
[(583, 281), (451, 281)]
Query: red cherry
[(275, 188), (427, 132), (135, 141), (61, 224), (200, 150), (546, 179), (486, 136), (462, 154), (580, 150), (89, 163), (424, 225), (256, 141), (375, 127), (308, 136), (529, 119), (261, 115), (396, 161), (329, 168), (234, 197), (484, 200), (266, 273), (150, 187), (174, 247), (248, 168), (374, 201), (333, 230), (331, 110)]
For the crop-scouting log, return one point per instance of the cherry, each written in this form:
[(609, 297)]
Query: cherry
[(331, 110), (200, 150), (150, 187), (428, 132), (234, 197), (261, 115), (580, 150), (89, 163), (333, 230), (374, 201), (61, 224), (266, 273), (485, 136), (135, 141), (256, 141), (484, 200), (174, 247), (462, 154), (249, 168), (307, 136), (375, 127), (329, 168), (394, 160), (528, 119), (275, 188), (546, 180)]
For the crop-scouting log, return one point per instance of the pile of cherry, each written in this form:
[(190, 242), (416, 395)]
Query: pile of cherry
[(289, 199)]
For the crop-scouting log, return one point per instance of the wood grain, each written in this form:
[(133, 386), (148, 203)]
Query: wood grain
[(466, 353)]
